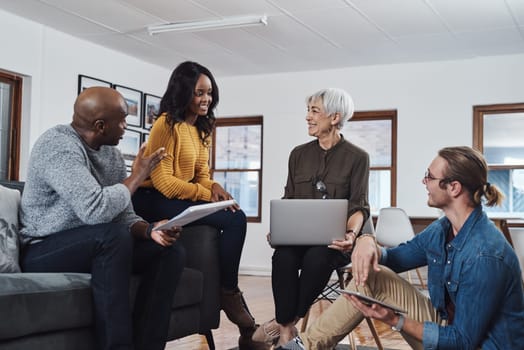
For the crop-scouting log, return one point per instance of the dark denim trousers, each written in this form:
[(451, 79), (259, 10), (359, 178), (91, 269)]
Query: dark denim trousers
[(111, 255), (154, 206)]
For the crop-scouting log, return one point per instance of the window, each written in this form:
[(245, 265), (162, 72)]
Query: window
[(10, 115), (497, 133), (236, 161), (376, 133)]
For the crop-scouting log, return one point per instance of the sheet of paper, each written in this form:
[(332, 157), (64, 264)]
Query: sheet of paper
[(196, 212)]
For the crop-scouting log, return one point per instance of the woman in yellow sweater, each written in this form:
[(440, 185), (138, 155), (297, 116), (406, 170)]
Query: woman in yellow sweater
[(184, 126)]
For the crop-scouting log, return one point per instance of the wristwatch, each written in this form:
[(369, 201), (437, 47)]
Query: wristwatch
[(400, 323)]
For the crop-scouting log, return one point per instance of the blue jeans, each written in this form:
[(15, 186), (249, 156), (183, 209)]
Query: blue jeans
[(111, 255), (154, 206)]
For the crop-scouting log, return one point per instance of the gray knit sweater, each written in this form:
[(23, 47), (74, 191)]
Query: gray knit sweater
[(70, 185)]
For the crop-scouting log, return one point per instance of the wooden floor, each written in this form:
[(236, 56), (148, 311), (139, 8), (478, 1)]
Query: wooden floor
[(257, 291)]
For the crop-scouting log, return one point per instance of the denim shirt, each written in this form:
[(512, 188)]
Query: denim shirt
[(483, 279)]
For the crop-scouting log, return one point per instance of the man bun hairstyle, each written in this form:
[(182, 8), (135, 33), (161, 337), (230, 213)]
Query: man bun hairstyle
[(468, 166)]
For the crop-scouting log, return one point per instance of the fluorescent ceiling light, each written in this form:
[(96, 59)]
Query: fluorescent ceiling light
[(228, 22)]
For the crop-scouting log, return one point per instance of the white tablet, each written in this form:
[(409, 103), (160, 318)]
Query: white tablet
[(364, 299), (196, 212)]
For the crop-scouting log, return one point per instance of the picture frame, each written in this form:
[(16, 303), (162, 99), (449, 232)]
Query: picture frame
[(85, 82), (129, 145), (151, 109), (133, 99)]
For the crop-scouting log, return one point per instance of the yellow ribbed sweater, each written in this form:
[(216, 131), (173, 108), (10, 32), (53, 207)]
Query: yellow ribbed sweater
[(184, 173)]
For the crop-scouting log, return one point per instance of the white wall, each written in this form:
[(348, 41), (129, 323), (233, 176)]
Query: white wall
[(434, 103), (50, 62)]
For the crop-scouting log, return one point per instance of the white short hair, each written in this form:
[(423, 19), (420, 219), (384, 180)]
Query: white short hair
[(334, 101)]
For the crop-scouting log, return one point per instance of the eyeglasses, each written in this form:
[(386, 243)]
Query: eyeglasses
[(428, 177), (321, 187)]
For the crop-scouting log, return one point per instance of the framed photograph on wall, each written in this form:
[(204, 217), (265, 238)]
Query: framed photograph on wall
[(129, 145), (134, 104), (151, 108), (85, 82)]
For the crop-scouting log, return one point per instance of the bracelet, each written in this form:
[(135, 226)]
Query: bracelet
[(400, 324), (367, 235), (149, 229), (354, 235)]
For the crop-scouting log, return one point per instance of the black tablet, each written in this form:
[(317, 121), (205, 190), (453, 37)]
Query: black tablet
[(369, 300)]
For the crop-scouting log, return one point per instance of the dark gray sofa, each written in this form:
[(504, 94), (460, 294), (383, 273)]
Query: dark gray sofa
[(54, 310)]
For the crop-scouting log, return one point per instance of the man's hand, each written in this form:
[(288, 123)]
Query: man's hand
[(142, 167), (218, 194), (364, 257), (165, 237), (375, 311)]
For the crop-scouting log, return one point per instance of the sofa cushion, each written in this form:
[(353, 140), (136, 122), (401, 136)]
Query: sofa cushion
[(9, 244), (43, 302), (46, 302)]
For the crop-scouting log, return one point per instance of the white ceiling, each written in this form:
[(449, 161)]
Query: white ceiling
[(300, 35)]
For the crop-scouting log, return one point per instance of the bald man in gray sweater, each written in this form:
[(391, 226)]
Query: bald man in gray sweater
[(77, 216)]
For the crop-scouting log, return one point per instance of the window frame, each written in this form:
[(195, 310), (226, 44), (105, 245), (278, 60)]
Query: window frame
[(390, 115), (15, 121), (479, 111), (241, 121)]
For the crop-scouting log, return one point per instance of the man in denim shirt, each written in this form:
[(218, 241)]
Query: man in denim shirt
[(474, 279)]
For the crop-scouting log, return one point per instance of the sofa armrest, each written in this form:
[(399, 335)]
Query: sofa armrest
[(201, 244), (16, 185)]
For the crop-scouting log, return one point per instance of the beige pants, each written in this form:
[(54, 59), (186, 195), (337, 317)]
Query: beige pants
[(341, 317)]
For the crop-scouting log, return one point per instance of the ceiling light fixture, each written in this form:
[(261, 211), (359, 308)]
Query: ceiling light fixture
[(224, 23)]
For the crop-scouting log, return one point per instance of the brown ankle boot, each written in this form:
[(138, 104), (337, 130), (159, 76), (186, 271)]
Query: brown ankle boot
[(245, 341), (236, 310)]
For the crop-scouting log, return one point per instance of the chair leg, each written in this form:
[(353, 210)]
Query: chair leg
[(374, 333), (303, 326), (409, 277), (352, 344), (210, 340), (420, 279)]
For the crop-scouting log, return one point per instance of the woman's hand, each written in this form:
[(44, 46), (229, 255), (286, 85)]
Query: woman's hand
[(218, 194), (345, 245), (268, 238), (165, 237)]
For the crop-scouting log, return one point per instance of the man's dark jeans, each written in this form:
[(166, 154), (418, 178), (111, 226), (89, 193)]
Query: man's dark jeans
[(111, 255)]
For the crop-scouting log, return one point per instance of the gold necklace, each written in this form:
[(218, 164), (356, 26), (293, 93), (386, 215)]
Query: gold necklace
[(195, 146)]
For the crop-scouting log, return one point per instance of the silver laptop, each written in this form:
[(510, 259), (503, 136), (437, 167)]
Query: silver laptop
[(307, 221)]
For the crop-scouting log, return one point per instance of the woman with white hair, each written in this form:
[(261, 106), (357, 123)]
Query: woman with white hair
[(329, 167)]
